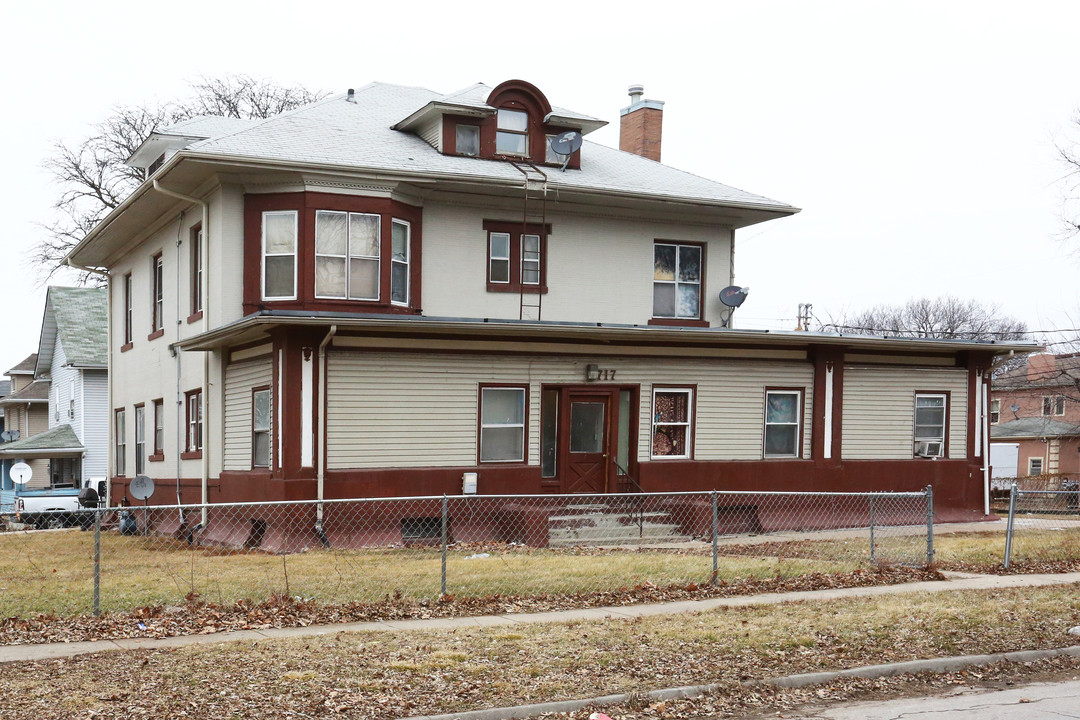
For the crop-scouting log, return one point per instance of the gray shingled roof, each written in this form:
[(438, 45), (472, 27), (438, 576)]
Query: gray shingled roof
[(1033, 427), (206, 126), (335, 132), (79, 317), (37, 391), (61, 437), (26, 367)]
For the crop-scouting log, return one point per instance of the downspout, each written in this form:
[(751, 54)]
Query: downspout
[(321, 454), (108, 375), (985, 420), (206, 358)]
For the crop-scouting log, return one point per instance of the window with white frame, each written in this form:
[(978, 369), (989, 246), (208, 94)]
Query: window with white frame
[(930, 424), (196, 269), (502, 424), (71, 400), (279, 232), (194, 421), (672, 413), (157, 270), (995, 412), (512, 132), (140, 439), (677, 272), (1035, 466), (260, 428), (1059, 404), (499, 261), (159, 428), (120, 437), (530, 259), (347, 255), (783, 417), (128, 325), (400, 231), (550, 156)]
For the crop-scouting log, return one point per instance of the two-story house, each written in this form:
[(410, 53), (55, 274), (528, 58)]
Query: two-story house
[(391, 289), (1035, 416), (65, 439), (26, 413)]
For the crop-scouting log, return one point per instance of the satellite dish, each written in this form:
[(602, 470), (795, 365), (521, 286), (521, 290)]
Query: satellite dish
[(566, 143), (9, 435), (141, 487), (734, 296), (1014, 407), (21, 473)]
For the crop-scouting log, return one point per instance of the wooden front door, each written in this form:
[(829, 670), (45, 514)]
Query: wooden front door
[(585, 442)]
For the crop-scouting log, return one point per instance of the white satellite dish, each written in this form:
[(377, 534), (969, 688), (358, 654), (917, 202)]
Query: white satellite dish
[(142, 487), (21, 473)]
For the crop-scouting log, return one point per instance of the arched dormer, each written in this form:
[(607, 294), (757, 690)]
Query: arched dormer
[(520, 112)]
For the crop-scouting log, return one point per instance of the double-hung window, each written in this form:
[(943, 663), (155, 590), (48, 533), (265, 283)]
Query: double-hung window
[(157, 271), (1053, 405), (279, 233), (196, 270), (140, 439), (347, 255), (677, 273), (194, 421), (499, 258), (128, 324), (512, 132), (260, 428), (516, 257), (502, 424), (995, 412), (120, 431), (783, 418), (930, 417), (399, 262), (159, 430), (672, 422)]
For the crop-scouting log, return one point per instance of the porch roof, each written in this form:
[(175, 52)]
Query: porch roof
[(59, 441)]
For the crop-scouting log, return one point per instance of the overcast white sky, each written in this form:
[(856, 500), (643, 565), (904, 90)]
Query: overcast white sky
[(918, 137)]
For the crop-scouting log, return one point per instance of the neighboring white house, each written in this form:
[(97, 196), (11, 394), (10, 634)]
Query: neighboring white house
[(384, 290), (72, 363)]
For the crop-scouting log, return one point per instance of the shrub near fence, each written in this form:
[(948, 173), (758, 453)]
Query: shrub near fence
[(341, 551)]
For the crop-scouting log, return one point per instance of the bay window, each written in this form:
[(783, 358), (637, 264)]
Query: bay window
[(279, 233), (347, 255), (399, 262)]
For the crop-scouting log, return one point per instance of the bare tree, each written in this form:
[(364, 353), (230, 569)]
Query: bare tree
[(93, 178), (944, 317), (1069, 155)]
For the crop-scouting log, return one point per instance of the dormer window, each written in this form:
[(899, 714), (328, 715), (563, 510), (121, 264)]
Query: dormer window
[(512, 135), (468, 140)]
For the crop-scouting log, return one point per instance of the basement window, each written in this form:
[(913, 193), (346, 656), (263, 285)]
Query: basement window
[(421, 528)]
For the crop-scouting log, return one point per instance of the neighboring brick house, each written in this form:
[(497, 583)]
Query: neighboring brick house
[(385, 290), (1036, 408)]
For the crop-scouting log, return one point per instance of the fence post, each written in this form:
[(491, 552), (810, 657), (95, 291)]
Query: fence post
[(444, 521), (1009, 525), (929, 525), (97, 562), (873, 546), (715, 550)]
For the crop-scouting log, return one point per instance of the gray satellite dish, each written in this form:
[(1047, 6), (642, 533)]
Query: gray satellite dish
[(566, 143), (734, 296), (1014, 407), (141, 487), (9, 435), (21, 473)]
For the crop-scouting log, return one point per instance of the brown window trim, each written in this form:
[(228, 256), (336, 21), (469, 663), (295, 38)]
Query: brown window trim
[(124, 348), (129, 320), (195, 317), (157, 285), (306, 204), (948, 414), (156, 334), (699, 321), (192, 453), (516, 230), (524, 430), (800, 441), (159, 409), (693, 388), (193, 267), (116, 443)]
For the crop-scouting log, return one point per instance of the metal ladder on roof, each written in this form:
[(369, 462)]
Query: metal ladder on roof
[(533, 223)]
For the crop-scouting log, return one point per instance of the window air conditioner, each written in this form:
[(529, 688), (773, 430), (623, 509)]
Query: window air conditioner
[(928, 448)]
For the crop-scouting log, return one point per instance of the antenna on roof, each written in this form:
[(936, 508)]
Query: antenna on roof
[(566, 144)]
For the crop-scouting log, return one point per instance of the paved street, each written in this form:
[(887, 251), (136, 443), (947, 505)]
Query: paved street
[(1030, 702)]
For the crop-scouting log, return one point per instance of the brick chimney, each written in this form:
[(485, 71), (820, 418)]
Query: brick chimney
[(641, 125), (1040, 368)]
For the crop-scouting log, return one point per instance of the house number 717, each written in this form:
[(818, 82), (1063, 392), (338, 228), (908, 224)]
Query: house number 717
[(595, 372)]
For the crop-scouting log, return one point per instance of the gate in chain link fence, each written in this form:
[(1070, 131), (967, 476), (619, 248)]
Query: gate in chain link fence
[(1043, 525), (363, 550)]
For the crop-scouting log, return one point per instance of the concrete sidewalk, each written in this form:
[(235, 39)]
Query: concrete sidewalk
[(955, 581)]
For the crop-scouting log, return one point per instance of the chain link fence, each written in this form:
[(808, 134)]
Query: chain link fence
[(1043, 525), (364, 550)]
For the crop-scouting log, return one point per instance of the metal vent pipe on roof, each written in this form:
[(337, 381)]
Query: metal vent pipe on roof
[(636, 93), (352, 96)]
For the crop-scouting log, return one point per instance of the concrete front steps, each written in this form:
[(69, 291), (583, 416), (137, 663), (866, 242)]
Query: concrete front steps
[(597, 524)]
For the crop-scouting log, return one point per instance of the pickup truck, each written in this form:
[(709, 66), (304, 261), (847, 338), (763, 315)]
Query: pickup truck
[(54, 507)]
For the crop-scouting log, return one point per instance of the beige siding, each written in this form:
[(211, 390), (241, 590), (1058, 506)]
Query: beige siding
[(414, 410), (431, 132), (879, 410), (240, 379)]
